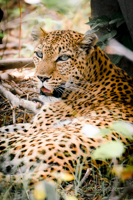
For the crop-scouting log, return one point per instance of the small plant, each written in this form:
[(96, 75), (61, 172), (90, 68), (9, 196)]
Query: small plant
[(114, 149), (111, 28)]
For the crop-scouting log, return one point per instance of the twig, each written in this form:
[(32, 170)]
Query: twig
[(15, 88), (115, 183), (27, 194), (13, 114), (32, 90), (6, 52), (11, 121), (126, 191), (20, 29), (114, 188), (11, 45), (25, 110), (85, 177), (15, 101), (12, 89)]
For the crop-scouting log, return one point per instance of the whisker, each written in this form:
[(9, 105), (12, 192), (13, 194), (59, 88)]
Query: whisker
[(79, 88), (85, 92), (76, 87), (61, 90), (73, 85), (77, 81), (28, 64), (85, 82)]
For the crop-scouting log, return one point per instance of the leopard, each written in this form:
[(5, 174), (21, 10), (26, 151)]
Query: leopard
[(79, 86)]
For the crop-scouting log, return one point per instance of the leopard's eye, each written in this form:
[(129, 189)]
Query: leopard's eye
[(39, 54), (62, 58)]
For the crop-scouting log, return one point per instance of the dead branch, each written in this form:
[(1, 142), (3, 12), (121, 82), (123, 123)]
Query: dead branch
[(3, 53), (16, 63), (33, 90), (16, 102), (117, 48), (85, 177), (21, 92), (115, 184), (20, 24), (12, 89), (128, 190), (11, 46)]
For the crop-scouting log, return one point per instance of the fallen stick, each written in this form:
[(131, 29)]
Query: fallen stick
[(12, 89), (126, 191), (85, 176), (6, 52), (11, 45), (16, 63), (16, 102)]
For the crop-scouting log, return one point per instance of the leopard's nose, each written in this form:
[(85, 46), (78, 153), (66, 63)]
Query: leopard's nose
[(43, 78)]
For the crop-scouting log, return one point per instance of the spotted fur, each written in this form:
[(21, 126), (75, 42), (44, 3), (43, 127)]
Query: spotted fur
[(86, 89)]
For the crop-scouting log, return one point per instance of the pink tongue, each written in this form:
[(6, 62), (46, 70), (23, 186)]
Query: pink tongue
[(45, 90)]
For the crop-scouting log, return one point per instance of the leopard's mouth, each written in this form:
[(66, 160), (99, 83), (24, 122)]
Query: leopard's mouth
[(57, 92), (45, 91)]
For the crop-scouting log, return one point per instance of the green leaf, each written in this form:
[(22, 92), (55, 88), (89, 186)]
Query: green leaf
[(116, 15), (115, 59), (120, 22), (116, 20), (91, 31), (113, 21), (120, 127), (111, 149), (102, 45), (1, 35), (108, 36), (99, 21), (91, 22)]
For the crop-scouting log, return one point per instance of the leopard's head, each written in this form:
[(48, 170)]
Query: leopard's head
[(60, 58)]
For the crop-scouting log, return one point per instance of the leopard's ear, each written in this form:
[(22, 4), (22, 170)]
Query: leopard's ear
[(37, 33), (88, 41)]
